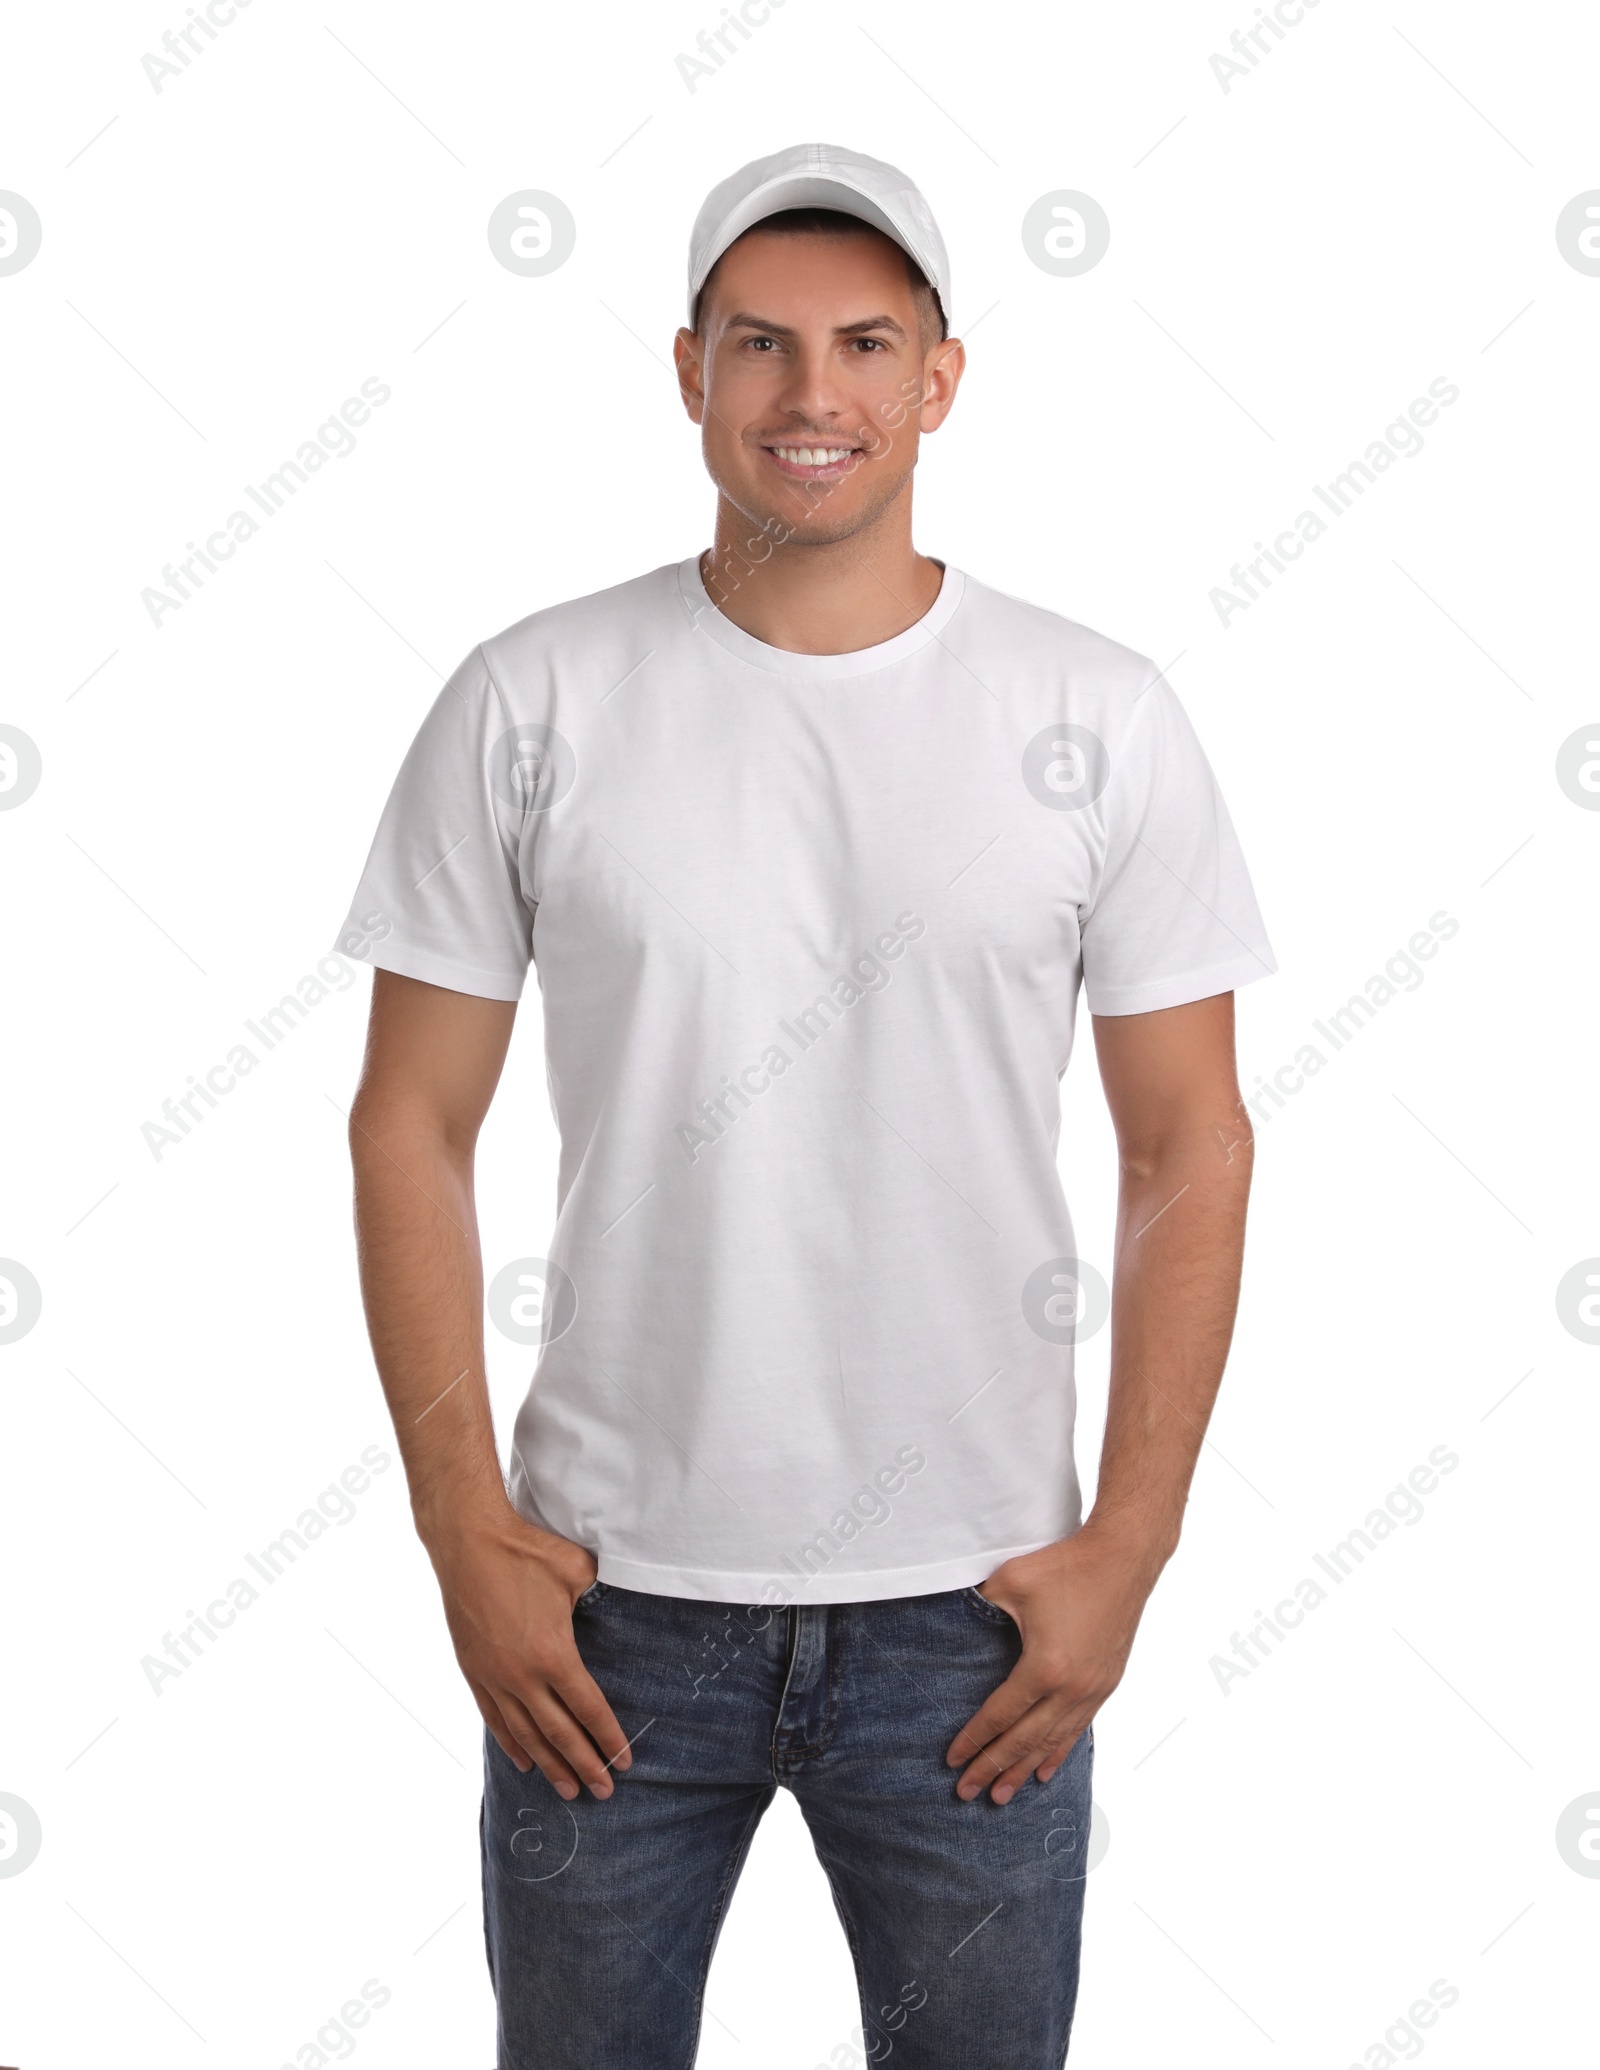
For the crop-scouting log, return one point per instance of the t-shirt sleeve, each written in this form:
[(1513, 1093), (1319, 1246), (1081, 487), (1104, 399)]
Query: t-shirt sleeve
[(441, 898), (1174, 917)]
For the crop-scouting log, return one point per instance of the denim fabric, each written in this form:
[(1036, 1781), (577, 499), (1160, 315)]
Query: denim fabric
[(963, 1919)]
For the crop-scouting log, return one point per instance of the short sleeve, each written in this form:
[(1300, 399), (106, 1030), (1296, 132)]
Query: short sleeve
[(1174, 917), (441, 896)]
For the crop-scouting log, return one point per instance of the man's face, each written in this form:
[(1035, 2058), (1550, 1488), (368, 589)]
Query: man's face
[(810, 382)]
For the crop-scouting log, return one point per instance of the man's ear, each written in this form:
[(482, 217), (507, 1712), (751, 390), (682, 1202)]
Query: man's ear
[(688, 351), (941, 377)]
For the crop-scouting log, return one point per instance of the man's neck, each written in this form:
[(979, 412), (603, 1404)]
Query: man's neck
[(820, 599)]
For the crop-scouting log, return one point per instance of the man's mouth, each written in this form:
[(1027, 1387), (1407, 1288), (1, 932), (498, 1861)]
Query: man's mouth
[(814, 462)]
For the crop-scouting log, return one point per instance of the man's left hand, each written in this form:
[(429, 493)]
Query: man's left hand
[(1077, 1604)]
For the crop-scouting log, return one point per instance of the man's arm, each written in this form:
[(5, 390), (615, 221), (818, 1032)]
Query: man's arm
[(1185, 1147), (432, 1063)]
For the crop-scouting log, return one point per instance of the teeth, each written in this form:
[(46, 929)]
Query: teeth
[(813, 456)]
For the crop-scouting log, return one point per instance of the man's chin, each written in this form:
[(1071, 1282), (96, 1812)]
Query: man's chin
[(825, 520)]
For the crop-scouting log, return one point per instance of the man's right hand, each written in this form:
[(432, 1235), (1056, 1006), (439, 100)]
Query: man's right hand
[(509, 1591)]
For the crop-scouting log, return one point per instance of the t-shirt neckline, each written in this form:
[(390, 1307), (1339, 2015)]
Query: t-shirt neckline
[(816, 668)]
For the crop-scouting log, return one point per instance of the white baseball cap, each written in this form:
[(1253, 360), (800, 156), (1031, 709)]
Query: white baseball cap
[(818, 176)]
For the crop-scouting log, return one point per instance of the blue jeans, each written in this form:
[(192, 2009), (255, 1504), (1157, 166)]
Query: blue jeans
[(963, 1920)]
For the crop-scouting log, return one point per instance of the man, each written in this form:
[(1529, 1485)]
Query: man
[(811, 840)]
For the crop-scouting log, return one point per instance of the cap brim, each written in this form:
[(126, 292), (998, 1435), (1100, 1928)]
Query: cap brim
[(809, 190)]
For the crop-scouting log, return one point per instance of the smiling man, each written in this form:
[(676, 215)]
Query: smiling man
[(813, 842)]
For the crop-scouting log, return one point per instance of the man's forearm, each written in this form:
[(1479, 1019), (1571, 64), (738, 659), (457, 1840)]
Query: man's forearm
[(422, 1284), (1180, 1245), (508, 1587)]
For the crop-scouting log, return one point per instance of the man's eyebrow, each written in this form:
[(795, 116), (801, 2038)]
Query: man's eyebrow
[(744, 321), (869, 323)]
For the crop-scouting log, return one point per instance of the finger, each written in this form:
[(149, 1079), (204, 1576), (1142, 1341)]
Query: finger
[(504, 1738), (1044, 1750), (1037, 1739), (1060, 1753), (1012, 1757), (582, 1695), (564, 1733), (543, 1755), (1015, 1696), (1027, 1735), (1049, 1751)]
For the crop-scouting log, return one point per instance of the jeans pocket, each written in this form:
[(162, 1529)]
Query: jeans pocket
[(592, 1596), (991, 1613)]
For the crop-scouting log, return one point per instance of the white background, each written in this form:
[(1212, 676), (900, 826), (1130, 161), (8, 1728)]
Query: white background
[(1292, 261)]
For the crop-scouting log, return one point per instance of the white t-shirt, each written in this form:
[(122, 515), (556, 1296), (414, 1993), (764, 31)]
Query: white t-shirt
[(809, 930)]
